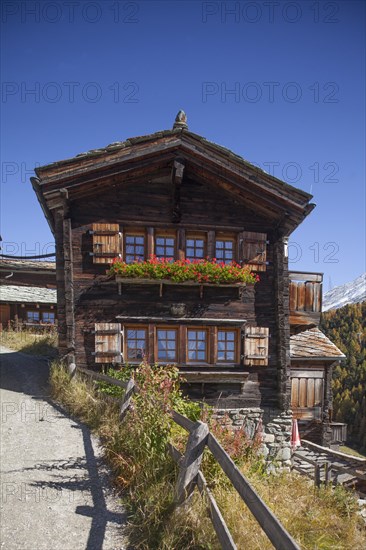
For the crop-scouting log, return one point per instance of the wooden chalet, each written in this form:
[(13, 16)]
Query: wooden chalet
[(175, 194), (27, 293)]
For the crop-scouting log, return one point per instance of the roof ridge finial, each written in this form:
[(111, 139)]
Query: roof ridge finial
[(180, 121)]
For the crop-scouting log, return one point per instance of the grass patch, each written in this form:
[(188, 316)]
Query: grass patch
[(324, 518), (350, 451), (31, 342)]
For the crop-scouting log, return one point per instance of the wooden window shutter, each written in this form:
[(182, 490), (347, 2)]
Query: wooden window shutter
[(106, 242), (254, 250), (256, 346), (108, 343)]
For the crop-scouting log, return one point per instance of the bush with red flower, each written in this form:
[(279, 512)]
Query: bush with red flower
[(200, 271)]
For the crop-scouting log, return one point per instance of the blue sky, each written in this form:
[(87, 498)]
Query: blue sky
[(280, 83)]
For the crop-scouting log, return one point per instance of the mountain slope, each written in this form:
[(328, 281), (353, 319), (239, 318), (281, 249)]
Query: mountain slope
[(346, 327), (349, 293)]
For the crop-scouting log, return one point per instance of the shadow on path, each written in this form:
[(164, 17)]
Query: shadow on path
[(24, 374)]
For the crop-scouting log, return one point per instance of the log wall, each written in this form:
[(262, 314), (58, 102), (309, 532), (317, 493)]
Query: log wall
[(97, 300)]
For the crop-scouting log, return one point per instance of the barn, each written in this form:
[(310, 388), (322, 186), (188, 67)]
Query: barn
[(27, 294)]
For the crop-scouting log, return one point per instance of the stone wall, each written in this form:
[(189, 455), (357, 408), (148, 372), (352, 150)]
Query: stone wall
[(273, 425)]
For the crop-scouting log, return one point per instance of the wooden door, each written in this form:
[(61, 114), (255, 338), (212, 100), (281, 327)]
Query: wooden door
[(307, 393)]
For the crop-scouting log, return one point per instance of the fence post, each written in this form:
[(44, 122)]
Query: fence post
[(191, 462), (326, 472), (130, 388), (317, 475), (71, 367)]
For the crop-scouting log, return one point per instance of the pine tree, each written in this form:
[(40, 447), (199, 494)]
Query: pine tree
[(346, 327)]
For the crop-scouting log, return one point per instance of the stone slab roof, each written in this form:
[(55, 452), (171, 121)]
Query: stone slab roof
[(26, 265), (27, 294), (313, 344)]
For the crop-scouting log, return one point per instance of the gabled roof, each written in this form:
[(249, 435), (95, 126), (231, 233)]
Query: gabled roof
[(122, 162), (27, 294), (313, 344), (26, 265)]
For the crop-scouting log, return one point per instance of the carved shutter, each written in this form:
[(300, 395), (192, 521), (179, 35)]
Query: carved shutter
[(108, 343), (256, 346), (106, 242), (254, 250)]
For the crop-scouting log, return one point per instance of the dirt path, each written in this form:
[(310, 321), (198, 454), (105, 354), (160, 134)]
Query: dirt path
[(53, 484)]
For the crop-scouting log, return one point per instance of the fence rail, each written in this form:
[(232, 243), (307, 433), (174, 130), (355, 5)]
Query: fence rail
[(190, 475), (329, 465)]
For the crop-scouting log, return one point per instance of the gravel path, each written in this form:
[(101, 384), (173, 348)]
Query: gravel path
[(55, 493)]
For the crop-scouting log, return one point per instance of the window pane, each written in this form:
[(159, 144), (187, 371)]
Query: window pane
[(225, 251), (48, 317), (195, 249), (136, 344), (167, 345), (135, 248), (197, 345), (226, 345), (165, 247), (33, 316)]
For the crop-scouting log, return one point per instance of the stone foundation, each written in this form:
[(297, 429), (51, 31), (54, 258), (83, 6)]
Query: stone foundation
[(275, 430)]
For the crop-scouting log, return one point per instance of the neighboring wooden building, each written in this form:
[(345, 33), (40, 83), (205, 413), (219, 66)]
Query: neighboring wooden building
[(27, 293), (176, 194)]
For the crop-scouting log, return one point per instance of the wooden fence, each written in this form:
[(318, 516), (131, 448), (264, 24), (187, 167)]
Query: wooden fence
[(191, 476), (328, 469)]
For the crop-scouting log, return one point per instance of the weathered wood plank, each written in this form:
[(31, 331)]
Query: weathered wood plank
[(222, 531), (174, 453), (191, 462), (182, 421), (104, 377), (126, 400), (274, 530), (108, 342)]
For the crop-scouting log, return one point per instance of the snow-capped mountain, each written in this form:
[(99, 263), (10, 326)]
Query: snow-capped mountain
[(349, 293)]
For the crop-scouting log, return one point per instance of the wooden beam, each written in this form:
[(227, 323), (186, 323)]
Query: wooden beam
[(274, 530), (177, 178), (191, 462)]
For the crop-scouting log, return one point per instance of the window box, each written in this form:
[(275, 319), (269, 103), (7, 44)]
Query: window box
[(161, 282)]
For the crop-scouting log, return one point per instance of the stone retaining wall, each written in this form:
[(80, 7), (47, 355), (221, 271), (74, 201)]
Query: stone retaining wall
[(274, 425)]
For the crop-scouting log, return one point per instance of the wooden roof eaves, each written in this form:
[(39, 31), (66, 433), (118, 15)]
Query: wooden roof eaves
[(90, 183), (245, 176), (171, 138), (266, 186), (61, 171), (246, 186), (43, 203)]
